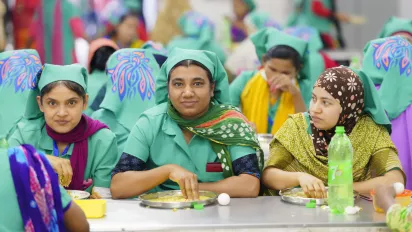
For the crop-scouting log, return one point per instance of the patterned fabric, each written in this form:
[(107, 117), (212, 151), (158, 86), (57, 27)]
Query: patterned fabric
[(292, 150), (223, 125), (388, 62), (127, 163), (37, 190), (132, 75), (131, 89), (245, 165), (346, 87), (399, 218)]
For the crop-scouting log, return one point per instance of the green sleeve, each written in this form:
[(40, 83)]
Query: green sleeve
[(237, 152), (138, 143), (15, 139), (237, 86), (105, 158), (66, 199)]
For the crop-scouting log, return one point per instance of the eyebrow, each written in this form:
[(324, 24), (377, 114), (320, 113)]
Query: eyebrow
[(326, 98), (194, 79), (73, 98)]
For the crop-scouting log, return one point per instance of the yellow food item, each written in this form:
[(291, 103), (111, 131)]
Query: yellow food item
[(176, 199), (297, 194), (74, 197)]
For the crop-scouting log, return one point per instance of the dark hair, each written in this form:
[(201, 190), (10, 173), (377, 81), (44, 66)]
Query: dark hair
[(100, 57), (121, 20), (73, 86), (187, 63), (284, 52)]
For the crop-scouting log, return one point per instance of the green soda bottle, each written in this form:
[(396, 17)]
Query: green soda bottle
[(340, 178)]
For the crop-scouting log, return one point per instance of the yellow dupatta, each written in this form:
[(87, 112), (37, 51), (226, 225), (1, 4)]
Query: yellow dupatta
[(255, 104)]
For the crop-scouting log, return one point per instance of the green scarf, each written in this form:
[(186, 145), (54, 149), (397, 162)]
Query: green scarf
[(394, 25), (223, 125), (18, 78), (52, 73), (388, 62), (267, 38), (131, 89)]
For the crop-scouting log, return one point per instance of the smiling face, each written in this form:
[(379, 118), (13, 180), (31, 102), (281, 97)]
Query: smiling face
[(62, 108), (190, 91), (276, 67), (324, 109)]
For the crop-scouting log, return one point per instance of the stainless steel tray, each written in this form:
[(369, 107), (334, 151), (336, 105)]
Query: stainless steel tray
[(147, 199), (302, 200)]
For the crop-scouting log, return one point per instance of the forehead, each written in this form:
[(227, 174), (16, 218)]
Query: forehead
[(283, 64), (61, 92), (321, 93), (183, 72)]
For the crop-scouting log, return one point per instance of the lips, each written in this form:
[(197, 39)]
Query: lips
[(316, 119), (62, 122), (189, 103)]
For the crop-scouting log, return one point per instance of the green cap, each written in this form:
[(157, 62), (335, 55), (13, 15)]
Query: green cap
[(199, 206), (340, 130)]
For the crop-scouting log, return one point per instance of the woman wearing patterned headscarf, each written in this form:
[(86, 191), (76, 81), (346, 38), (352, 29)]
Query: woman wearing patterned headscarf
[(192, 139), (388, 62), (299, 152)]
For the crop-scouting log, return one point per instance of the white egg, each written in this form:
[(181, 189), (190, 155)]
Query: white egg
[(223, 199), (399, 187)]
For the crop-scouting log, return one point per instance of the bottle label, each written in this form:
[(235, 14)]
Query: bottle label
[(340, 173)]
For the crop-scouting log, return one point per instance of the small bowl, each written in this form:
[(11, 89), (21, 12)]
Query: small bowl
[(78, 195), (404, 199)]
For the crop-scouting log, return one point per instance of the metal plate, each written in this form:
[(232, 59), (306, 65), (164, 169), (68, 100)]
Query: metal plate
[(303, 200), (147, 199), (78, 195)]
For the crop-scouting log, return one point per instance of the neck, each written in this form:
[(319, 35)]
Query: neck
[(61, 146)]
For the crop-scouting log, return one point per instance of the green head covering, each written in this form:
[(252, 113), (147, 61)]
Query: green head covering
[(208, 59), (154, 48), (309, 34), (261, 20), (49, 74), (251, 5), (388, 61), (18, 71), (133, 5), (223, 125), (132, 74), (373, 106), (395, 25), (268, 38), (197, 31)]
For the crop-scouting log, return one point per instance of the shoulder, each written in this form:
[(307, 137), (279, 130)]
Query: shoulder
[(103, 135), (365, 122), (156, 111), (31, 125)]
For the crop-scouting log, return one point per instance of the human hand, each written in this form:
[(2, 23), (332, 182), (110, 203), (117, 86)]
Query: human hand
[(312, 186), (63, 169), (187, 181)]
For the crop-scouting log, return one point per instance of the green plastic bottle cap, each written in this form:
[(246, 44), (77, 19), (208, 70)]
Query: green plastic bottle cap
[(311, 205), (199, 206), (340, 129)]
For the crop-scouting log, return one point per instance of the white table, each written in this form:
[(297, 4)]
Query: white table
[(260, 214)]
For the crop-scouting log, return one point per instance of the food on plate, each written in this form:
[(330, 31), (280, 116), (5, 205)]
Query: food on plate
[(177, 199)]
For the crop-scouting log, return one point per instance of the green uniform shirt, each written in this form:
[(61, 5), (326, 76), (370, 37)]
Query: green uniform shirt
[(102, 157), (158, 140)]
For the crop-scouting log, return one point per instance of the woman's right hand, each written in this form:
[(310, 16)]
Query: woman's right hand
[(187, 181), (312, 186), (63, 168)]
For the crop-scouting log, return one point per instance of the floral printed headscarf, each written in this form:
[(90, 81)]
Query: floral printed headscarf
[(346, 87)]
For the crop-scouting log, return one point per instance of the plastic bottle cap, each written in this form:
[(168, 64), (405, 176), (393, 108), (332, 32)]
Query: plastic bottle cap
[(340, 130), (199, 206)]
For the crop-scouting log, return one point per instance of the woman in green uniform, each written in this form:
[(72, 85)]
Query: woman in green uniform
[(99, 52), (18, 70), (397, 26), (126, 98), (192, 139), (82, 151), (30, 195), (281, 87)]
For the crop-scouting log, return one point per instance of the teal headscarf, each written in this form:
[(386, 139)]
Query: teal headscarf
[(155, 48), (198, 34), (49, 74), (395, 25), (268, 38), (309, 34), (208, 59), (251, 5), (132, 75), (261, 20), (18, 71), (388, 61)]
